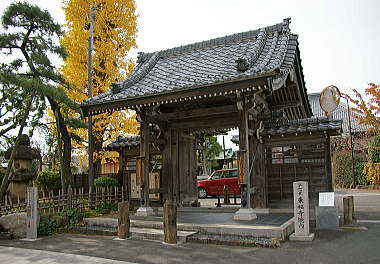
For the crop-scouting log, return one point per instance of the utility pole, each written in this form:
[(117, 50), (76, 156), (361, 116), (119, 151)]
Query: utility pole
[(345, 96), (90, 137)]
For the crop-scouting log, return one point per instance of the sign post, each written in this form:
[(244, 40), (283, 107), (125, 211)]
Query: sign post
[(301, 212), (31, 213)]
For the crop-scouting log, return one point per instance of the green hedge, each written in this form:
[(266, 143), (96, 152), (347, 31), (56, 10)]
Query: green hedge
[(48, 180), (105, 182), (374, 150), (342, 170), (360, 177)]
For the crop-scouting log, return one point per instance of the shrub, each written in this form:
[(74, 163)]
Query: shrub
[(105, 182), (47, 226), (374, 150), (360, 177), (105, 208), (372, 167), (342, 169), (73, 214), (48, 180)]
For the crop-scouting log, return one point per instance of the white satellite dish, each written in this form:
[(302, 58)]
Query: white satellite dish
[(330, 98)]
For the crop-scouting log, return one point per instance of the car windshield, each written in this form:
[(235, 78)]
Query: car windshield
[(217, 175)]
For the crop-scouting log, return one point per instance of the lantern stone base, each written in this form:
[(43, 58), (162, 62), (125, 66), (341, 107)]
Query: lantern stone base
[(245, 214), (144, 211), (307, 238)]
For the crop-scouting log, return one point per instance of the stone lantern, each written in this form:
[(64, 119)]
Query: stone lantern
[(22, 174)]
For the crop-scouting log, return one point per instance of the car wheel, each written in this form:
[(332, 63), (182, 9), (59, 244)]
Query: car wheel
[(202, 193)]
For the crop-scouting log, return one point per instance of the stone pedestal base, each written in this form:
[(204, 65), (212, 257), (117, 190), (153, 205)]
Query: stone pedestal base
[(245, 214), (144, 211), (307, 238), (326, 217)]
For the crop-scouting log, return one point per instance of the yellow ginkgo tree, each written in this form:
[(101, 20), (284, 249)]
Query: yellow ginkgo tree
[(115, 27)]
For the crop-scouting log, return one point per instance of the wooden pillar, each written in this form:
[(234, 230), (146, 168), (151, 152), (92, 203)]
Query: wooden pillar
[(167, 179), (260, 197), (121, 168), (193, 170), (174, 163), (143, 167), (244, 178), (145, 162)]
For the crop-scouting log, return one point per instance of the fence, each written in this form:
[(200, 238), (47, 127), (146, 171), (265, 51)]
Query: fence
[(50, 203), (81, 180)]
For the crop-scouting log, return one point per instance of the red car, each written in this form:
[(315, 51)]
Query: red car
[(216, 183)]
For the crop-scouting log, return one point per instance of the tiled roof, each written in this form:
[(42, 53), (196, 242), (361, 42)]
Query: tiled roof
[(340, 113), (243, 56), (284, 127), (301, 126), (124, 142)]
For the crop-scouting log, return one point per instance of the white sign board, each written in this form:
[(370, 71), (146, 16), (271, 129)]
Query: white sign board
[(326, 199)]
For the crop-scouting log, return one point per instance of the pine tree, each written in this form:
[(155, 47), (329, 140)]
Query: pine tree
[(29, 40), (115, 30)]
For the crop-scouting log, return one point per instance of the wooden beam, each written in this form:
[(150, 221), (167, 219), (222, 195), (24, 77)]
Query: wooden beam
[(219, 121), (170, 95), (284, 105), (195, 113)]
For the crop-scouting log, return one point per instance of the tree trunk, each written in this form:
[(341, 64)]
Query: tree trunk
[(5, 182), (64, 146)]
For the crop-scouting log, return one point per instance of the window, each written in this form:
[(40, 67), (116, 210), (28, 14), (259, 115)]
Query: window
[(233, 174), (217, 175)]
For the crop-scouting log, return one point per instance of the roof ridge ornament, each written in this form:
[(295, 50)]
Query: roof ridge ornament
[(147, 62), (242, 65), (285, 25)]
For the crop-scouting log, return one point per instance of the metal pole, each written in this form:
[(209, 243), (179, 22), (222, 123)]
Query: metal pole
[(90, 136), (351, 144)]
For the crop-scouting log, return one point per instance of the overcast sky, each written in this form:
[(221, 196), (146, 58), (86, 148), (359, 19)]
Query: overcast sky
[(339, 39)]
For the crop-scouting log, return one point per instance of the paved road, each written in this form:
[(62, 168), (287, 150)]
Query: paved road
[(335, 247), (15, 255)]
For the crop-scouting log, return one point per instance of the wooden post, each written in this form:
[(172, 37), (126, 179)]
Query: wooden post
[(170, 222), (245, 212), (145, 209), (348, 209), (258, 175), (123, 223), (225, 195), (244, 177), (144, 154), (70, 196), (121, 168), (167, 181)]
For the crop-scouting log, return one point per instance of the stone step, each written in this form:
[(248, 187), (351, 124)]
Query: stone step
[(157, 234), (137, 233), (257, 231), (232, 240)]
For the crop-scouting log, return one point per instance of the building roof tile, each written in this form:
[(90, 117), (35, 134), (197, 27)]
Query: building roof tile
[(263, 51)]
